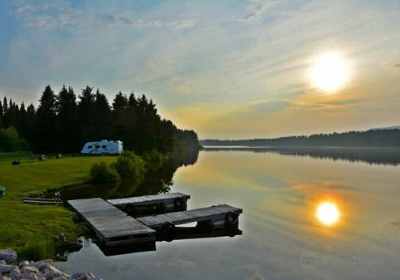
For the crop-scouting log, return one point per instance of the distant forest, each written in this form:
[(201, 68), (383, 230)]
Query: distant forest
[(370, 138), (63, 122)]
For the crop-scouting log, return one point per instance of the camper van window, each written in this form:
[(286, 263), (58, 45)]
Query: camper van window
[(89, 147), (97, 147), (104, 147)]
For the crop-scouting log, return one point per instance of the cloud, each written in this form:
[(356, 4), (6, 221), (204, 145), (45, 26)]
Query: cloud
[(270, 106), (397, 65), (59, 15), (128, 21), (344, 102), (256, 12)]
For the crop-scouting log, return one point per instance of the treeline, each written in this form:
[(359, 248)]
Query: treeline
[(369, 138), (63, 122)]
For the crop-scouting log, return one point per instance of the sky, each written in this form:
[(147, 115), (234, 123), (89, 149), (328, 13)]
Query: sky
[(227, 69)]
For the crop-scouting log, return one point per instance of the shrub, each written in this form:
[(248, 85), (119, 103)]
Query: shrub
[(103, 173), (10, 141), (129, 165)]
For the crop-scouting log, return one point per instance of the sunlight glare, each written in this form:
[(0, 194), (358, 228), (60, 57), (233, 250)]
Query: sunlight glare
[(329, 72), (328, 213)]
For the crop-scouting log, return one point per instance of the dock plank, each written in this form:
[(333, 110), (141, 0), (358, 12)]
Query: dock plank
[(148, 199), (109, 221), (196, 215)]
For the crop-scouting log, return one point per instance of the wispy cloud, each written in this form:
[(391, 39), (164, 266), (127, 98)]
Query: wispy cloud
[(60, 14), (270, 106), (256, 12), (111, 20)]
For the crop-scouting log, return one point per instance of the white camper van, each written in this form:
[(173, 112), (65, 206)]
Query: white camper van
[(103, 147)]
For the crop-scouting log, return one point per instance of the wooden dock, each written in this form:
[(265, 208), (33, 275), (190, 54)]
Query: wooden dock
[(111, 225), (211, 214), (114, 227), (167, 202)]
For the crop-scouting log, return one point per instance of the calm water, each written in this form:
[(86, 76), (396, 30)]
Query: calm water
[(282, 237)]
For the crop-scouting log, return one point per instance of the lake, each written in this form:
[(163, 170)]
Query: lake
[(283, 236)]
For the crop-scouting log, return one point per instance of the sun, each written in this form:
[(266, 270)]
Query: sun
[(328, 213), (329, 72)]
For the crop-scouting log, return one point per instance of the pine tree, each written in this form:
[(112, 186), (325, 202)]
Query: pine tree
[(5, 112), (120, 118), (102, 117), (31, 117), (85, 115), (23, 122), (67, 120), (11, 114), (46, 129), (120, 102)]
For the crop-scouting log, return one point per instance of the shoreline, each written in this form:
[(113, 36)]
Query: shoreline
[(40, 270)]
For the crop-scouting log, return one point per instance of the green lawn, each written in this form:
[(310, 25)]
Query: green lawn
[(29, 229)]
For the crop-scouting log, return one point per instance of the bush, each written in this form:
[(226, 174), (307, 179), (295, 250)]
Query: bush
[(129, 165), (10, 141), (103, 173)]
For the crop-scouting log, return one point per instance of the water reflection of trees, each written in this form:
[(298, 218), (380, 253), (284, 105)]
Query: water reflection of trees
[(158, 181), (385, 156)]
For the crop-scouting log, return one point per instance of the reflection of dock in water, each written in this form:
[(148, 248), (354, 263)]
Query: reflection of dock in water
[(115, 228), (180, 234)]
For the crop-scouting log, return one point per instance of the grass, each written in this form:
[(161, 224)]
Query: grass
[(29, 229)]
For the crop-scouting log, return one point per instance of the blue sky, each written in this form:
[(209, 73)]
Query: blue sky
[(234, 69)]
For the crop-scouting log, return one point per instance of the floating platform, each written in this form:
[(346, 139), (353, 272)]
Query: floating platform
[(114, 227), (111, 225), (209, 214), (160, 203)]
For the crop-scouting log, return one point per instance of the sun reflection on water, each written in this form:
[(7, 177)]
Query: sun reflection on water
[(327, 213)]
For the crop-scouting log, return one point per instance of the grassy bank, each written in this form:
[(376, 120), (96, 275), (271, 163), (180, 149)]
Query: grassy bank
[(29, 229)]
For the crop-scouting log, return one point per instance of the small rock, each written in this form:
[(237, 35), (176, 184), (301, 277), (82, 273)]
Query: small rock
[(24, 263), (47, 276), (51, 272), (3, 262), (15, 274), (5, 278), (29, 276), (8, 255), (29, 269), (7, 268), (43, 264), (61, 278)]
